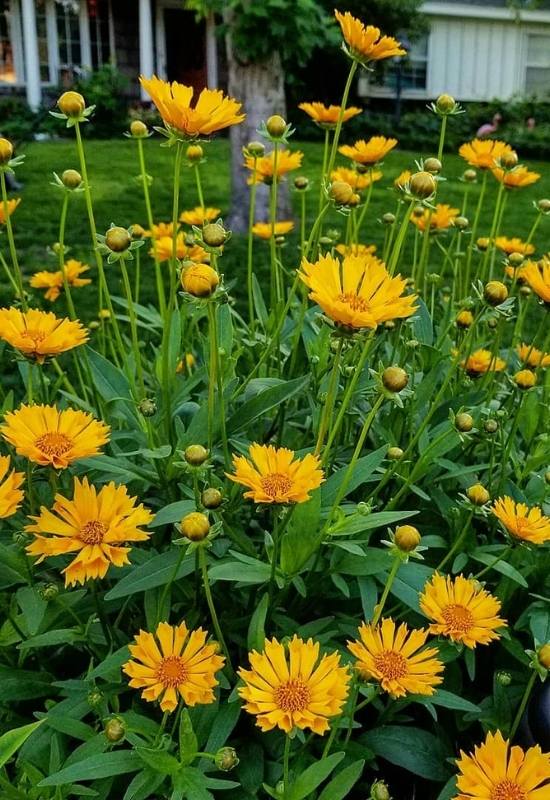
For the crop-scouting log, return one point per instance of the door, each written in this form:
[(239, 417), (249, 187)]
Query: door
[(184, 47)]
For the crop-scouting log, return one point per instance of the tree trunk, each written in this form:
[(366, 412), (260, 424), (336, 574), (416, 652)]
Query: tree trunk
[(260, 87)]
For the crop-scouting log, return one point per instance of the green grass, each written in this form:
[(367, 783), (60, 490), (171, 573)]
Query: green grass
[(117, 198)]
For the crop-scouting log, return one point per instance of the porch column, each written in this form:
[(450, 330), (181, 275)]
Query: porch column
[(211, 53), (32, 61), (146, 50)]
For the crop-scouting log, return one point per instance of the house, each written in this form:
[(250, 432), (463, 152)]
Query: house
[(45, 43), (479, 50)]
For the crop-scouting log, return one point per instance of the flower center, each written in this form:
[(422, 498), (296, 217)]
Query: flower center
[(391, 664), (293, 696), (458, 618), (53, 444), (507, 790), (93, 532), (171, 671), (35, 336), (355, 302), (276, 484)]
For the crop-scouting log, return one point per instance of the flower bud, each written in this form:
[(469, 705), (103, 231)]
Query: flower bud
[(200, 280), (6, 151), (445, 104), (211, 498), (503, 678), (118, 239), (388, 218), (492, 323), (379, 791), (104, 314), (544, 206), (147, 407), (194, 153), (516, 259), (490, 426), (72, 104), (95, 698), (214, 234), (464, 422), (355, 200), (395, 379), (461, 223), (495, 293), (280, 240), (276, 126), (195, 526), (301, 182), (525, 291), (547, 476), (71, 179), (362, 169), (138, 129), (394, 453), (509, 160), (341, 192), (255, 149), (433, 165), (326, 241), (115, 729), (49, 591), (195, 455), (412, 344), (226, 759), (469, 175), (544, 655), (483, 243), (389, 324), (422, 185), (464, 319), (478, 494), (407, 538), (525, 379)]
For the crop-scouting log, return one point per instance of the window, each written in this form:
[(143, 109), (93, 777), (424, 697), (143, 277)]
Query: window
[(43, 42), (537, 72), (409, 72), (8, 73), (68, 35)]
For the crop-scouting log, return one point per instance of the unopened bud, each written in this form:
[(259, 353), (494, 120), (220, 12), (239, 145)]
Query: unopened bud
[(301, 182), (214, 234), (115, 729), (478, 494), (509, 160), (388, 218), (341, 192), (503, 678), (544, 206), (516, 259), (461, 223), (469, 175), (394, 453), (464, 422), (464, 319), (276, 126), (138, 129), (422, 185), (525, 291), (226, 759), (495, 293), (194, 153), (195, 455), (195, 526), (255, 149), (433, 165), (525, 379), (490, 426), (118, 239), (6, 151), (483, 243), (544, 655), (395, 379), (95, 698), (211, 498), (200, 280), (49, 591), (445, 104), (147, 407), (71, 179), (72, 104), (407, 538)]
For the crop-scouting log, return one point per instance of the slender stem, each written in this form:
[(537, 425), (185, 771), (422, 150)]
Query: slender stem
[(105, 627), (137, 277), (389, 583), (534, 227), (11, 242), (345, 96), (523, 705), (475, 224), (324, 177), (149, 213), (396, 250), (328, 405), (162, 728), (212, 608), (493, 564), (278, 531), (171, 580), (216, 381), (133, 323), (9, 276), (457, 543), (330, 741), (275, 276), (442, 137), (510, 441), (286, 767), (196, 170), (250, 249)]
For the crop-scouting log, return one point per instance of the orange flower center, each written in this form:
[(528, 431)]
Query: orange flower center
[(276, 484), (391, 664), (171, 671), (293, 696), (355, 302), (508, 790), (459, 619), (34, 335), (93, 532), (53, 444)]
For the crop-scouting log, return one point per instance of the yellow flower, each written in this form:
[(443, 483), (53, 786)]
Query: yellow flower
[(365, 42), (514, 245), (199, 215), (357, 292), (11, 496), (160, 231), (200, 280), (392, 658), (370, 152), (265, 166), (95, 525), (293, 688), (538, 278), (53, 282), (186, 364), (356, 180), (274, 476), (402, 179), (515, 178), (192, 252), (327, 116), (482, 361), (522, 522), (212, 111), (483, 153), (461, 610), (183, 666), (39, 334), (496, 771), (12, 205), (265, 230), (533, 357), (355, 249), (440, 219), (47, 436)]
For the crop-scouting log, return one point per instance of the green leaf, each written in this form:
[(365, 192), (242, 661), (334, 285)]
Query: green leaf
[(53, 638), (159, 760), (358, 523), (373, 562), (364, 468), (447, 700), (11, 741), (192, 785), (188, 741), (301, 539), (32, 606), (172, 513), (313, 776), (17, 685), (502, 566), (155, 572), (411, 748), (422, 325), (263, 402), (240, 572), (225, 721), (143, 785), (256, 628), (341, 784), (102, 765)]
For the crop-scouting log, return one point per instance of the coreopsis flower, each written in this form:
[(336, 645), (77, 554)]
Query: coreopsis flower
[(481, 361), (370, 152), (174, 662), (514, 245), (53, 282), (160, 230), (365, 43), (11, 496), (358, 291), (263, 168), (199, 215), (461, 610), (538, 278), (355, 249), (164, 246), (212, 112), (402, 179), (292, 687), (265, 230), (50, 437), (516, 178), (533, 357), (12, 205), (274, 476), (439, 219), (395, 658), (483, 153), (327, 116), (358, 181), (40, 334), (186, 364), (521, 521), (96, 525), (497, 771)]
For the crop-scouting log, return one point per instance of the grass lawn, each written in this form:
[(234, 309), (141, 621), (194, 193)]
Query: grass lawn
[(117, 198)]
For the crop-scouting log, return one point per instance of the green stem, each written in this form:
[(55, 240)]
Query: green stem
[(216, 381), (133, 324), (328, 406), (442, 137), (286, 767), (212, 608), (250, 250), (493, 564), (522, 705), (196, 170), (396, 250), (475, 224), (345, 96), (150, 223), (11, 243), (389, 583), (276, 290), (457, 543)]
